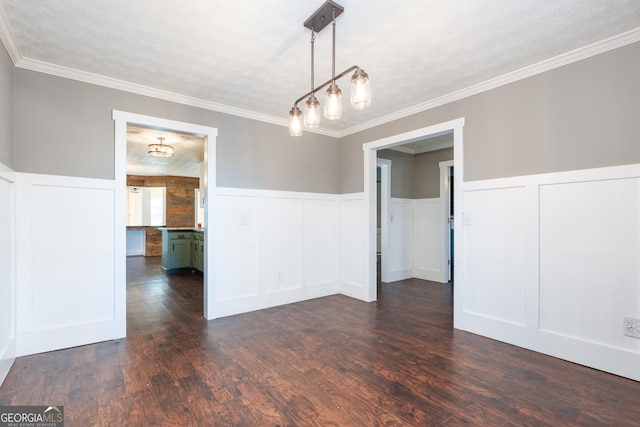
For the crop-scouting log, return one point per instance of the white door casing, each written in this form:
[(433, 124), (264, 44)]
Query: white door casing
[(209, 133), (370, 163)]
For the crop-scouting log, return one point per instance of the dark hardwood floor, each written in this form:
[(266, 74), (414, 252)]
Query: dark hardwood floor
[(331, 361)]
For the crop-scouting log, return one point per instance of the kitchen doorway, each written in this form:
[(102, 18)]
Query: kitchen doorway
[(164, 274), (122, 120)]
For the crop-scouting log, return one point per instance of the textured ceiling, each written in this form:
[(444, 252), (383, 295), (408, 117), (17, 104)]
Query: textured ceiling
[(188, 153), (254, 56)]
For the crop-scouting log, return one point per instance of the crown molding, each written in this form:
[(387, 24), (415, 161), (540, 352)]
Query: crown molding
[(100, 80), (109, 82), (575, 55), (9, 39)]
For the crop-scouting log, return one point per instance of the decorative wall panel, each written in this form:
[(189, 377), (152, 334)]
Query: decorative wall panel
[(66, 262), (589, 259), (494, 254)]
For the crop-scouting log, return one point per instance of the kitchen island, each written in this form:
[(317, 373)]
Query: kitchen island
[(182, 249)]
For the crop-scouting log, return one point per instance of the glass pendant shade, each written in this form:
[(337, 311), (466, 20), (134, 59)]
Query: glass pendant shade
[(312, 112), (360, 90), (333, 103), (295, 122)]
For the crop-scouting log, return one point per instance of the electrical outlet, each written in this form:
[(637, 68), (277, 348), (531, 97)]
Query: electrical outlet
[(631, 327)]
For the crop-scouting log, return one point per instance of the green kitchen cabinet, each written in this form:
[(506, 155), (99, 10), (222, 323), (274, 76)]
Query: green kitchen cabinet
[(197, 251), (176, 250)]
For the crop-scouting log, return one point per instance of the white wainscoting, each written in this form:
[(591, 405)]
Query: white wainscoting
[(320, 256), (283, 234), (352, 246), (416, 246), (237, 234), (428, 231), (400, 237), (494, 254), (590, 259), (551, 263), (275, 247), (66, 291), (7, 271)]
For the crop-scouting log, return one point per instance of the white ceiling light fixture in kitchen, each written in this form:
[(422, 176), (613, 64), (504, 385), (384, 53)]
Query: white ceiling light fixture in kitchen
[(360, 85), (161, 150)]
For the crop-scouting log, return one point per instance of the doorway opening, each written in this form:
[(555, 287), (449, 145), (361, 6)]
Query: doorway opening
[(208, 135), (370, 168), (164, 235), (416, 220)]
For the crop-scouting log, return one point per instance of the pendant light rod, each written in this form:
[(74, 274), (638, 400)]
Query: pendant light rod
[(333, 48), (313, 39), (327, 83)]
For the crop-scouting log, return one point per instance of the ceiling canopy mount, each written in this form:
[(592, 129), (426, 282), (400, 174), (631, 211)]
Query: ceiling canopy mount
[(323, 16)]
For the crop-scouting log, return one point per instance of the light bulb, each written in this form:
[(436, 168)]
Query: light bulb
[(312, 112), (295, 121), (360, 90), (333, 103)]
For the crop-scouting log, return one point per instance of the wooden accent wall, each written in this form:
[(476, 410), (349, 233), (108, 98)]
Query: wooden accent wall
[(152, 241), (180, 201), (179, 207), (135, 181)]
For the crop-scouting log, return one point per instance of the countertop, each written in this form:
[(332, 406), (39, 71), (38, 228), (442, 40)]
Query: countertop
[(170, 229)]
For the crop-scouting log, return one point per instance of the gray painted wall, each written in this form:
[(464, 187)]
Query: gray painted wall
[(6, 109), (426, 175), (416, 176), (64, 127), (583, 115), (401, 173)]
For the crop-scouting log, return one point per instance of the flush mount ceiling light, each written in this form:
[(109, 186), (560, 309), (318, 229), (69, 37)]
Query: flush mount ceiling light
[(360, 86), (160, 150)]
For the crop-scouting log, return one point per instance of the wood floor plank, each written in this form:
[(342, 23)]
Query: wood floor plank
[(330, 361)]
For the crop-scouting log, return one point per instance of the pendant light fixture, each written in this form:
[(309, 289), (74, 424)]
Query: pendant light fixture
[(160, 150), (360, 85), (312, 110)]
